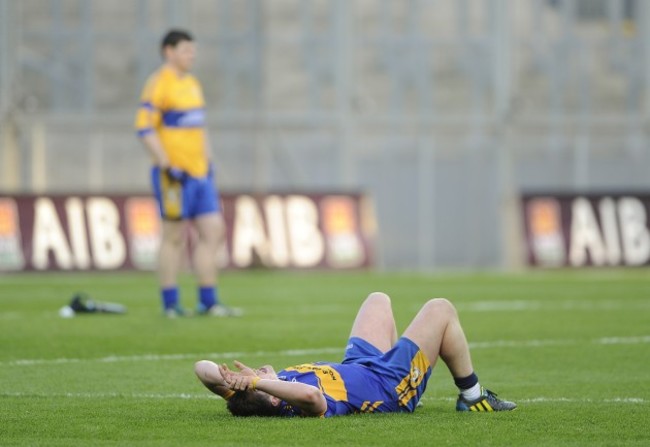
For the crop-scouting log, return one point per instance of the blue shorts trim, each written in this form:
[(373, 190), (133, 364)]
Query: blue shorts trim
[(404, 370), (184, 200), (359, 350)]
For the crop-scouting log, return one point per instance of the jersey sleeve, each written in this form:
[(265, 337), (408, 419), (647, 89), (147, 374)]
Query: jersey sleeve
[(152, 102)]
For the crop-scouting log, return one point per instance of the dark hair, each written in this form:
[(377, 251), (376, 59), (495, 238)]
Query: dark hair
[(252, 403), (174, 37)]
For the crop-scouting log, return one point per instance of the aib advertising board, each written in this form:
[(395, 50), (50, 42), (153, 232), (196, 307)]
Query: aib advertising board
[(576, 230), (120, 232)]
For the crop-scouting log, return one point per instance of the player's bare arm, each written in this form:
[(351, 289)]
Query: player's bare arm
[(154, 146), (209, 374), (308, 398), (207, 147)]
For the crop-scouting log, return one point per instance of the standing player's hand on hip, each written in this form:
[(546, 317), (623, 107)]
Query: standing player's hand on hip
[(176, 174)]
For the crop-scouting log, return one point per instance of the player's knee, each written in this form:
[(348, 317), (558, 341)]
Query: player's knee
[(442, 306), (378, 297), (173, 240)]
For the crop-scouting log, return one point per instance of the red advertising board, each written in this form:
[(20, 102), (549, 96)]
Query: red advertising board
[(576, 230), (121, 232)]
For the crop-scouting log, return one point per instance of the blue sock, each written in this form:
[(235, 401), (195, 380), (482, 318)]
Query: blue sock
[(170, 297), (465, 383), (469, 387), (208, 297)]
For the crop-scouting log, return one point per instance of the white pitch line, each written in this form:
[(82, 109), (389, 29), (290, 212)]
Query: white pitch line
[(163, 357), (536, 400), (618, 400), (520, 344), (534, 305), (478, 306), (111, 395), (623, 340), (643, 339), (205, 396)]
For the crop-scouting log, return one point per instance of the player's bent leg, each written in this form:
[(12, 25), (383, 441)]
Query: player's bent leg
[(437, 331), (375, 322)]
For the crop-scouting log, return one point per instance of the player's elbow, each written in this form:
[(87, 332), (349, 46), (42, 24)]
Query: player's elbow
[(314, 402), (201, 367), (313, 395)]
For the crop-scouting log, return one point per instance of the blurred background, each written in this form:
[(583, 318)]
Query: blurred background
[(442, 111)]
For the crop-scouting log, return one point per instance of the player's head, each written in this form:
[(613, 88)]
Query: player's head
[(253, 403), (178, 49)]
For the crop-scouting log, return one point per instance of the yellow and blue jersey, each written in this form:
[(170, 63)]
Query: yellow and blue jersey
[(172, 105), (367, 380)]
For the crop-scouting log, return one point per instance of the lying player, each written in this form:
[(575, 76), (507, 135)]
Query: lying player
[(379, 373)]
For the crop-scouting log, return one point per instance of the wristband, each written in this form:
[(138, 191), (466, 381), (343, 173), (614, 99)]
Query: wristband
[(254, 382)]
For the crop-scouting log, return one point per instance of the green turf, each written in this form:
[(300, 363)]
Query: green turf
[(572, 348)]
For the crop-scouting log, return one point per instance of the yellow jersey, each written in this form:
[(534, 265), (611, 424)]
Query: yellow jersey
[(172, 105)]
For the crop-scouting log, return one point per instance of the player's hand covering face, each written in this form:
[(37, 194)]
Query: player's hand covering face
[(238, 381), (266, 372)]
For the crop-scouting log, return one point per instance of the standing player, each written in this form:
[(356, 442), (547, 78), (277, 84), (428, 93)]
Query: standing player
[(171, 124)]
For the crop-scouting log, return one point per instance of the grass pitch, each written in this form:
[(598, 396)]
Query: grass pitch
[(571, 348)]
